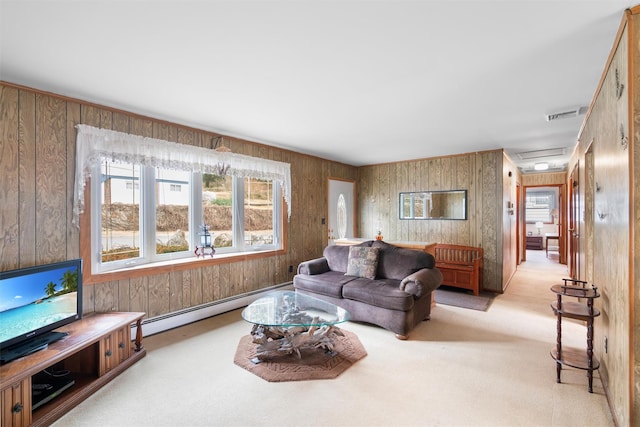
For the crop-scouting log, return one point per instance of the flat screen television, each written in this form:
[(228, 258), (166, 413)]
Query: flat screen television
[(33, 302)]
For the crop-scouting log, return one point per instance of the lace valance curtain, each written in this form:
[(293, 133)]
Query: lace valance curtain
[(93, 145)]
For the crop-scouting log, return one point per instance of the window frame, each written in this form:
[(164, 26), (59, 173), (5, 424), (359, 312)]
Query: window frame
[(551, 196), (91, 248), (94, 143)]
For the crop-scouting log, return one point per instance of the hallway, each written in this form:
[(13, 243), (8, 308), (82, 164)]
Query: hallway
[(540, 259)]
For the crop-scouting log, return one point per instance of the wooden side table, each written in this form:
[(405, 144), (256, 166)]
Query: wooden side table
[(580, 359), (547, 238)]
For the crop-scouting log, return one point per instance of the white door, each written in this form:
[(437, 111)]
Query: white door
[(342, 209)]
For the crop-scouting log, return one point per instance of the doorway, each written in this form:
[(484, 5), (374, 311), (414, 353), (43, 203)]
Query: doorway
[(543, 224)]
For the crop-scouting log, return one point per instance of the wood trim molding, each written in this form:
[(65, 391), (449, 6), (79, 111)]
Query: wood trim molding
[(632, 45)]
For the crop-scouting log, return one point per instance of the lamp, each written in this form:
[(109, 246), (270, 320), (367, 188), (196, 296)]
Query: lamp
[(539, 226), (205, 242), (541, 166)]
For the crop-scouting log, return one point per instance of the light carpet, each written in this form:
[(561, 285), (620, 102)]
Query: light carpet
[(461, 368)]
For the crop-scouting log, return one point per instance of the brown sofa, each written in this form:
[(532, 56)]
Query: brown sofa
[(386, 285)]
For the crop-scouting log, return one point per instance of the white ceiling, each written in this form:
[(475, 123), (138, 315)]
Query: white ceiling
[(356, 81)]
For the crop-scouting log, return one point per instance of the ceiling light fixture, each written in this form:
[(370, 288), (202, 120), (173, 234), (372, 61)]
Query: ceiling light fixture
[(541, 166)]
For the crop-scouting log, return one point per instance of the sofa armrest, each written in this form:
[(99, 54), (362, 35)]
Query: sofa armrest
[(314, 266), (422, 282)]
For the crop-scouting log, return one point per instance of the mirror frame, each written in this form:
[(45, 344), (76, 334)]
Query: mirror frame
[(416, 200)]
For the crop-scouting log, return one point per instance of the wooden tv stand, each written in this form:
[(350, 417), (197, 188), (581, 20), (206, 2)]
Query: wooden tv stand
[(97, 349)]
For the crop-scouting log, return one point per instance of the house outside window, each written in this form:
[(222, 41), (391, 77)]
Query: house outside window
[(130, 185)]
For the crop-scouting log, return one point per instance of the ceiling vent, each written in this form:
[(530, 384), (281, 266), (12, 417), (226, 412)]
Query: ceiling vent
[(539, 154), (574, 112), (552, 168)]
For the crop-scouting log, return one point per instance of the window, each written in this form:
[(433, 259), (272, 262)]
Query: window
[(119, 205), (258, 208), (540, 205), (150, 198), (160, 217)]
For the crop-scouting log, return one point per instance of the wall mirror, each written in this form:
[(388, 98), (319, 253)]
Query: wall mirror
[(434, 205)]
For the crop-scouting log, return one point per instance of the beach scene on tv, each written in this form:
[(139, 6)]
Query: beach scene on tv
[(32, 301)]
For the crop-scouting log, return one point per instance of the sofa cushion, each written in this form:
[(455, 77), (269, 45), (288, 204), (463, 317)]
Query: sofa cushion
[(363, 262), (383, 293), (329, 283), (338, 256), (397, 263)]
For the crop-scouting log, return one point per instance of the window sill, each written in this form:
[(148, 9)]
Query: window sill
[(169, 266)]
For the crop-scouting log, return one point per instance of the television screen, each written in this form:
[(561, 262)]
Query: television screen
[(36, 300)]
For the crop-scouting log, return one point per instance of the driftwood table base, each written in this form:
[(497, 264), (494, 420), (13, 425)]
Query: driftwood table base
[(274, 341), (287, 322)]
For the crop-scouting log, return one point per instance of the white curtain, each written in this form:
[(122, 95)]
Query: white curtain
[(93, 145)]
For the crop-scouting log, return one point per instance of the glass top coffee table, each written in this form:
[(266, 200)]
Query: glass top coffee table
[(286, 322)]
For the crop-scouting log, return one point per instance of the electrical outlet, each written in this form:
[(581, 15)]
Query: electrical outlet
[(606, 345)]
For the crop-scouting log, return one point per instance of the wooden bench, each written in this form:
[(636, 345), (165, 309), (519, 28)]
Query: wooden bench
[(461, 266)]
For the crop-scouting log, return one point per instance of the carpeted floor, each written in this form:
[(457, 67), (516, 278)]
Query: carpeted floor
[(463, 298), (462, 368), (315, 364)]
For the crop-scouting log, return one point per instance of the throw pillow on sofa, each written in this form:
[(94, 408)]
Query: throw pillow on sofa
[(363, 262)]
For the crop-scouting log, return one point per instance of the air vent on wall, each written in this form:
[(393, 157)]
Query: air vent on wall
[(574, 112)]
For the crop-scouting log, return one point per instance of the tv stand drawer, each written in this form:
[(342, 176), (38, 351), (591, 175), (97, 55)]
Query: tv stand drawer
[(16, 404), (114, 349)]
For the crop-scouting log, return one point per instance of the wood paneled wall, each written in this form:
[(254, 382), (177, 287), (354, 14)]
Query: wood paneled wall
[(480, 174), (509, 242), (609, 177), (37, 163), (37, 172), (542, 179)]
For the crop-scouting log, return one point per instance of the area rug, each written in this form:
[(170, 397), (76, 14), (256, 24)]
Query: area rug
[(314, 364), (462, 298)]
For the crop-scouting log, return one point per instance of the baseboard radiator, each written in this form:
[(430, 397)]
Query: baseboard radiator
[(179, 318)]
